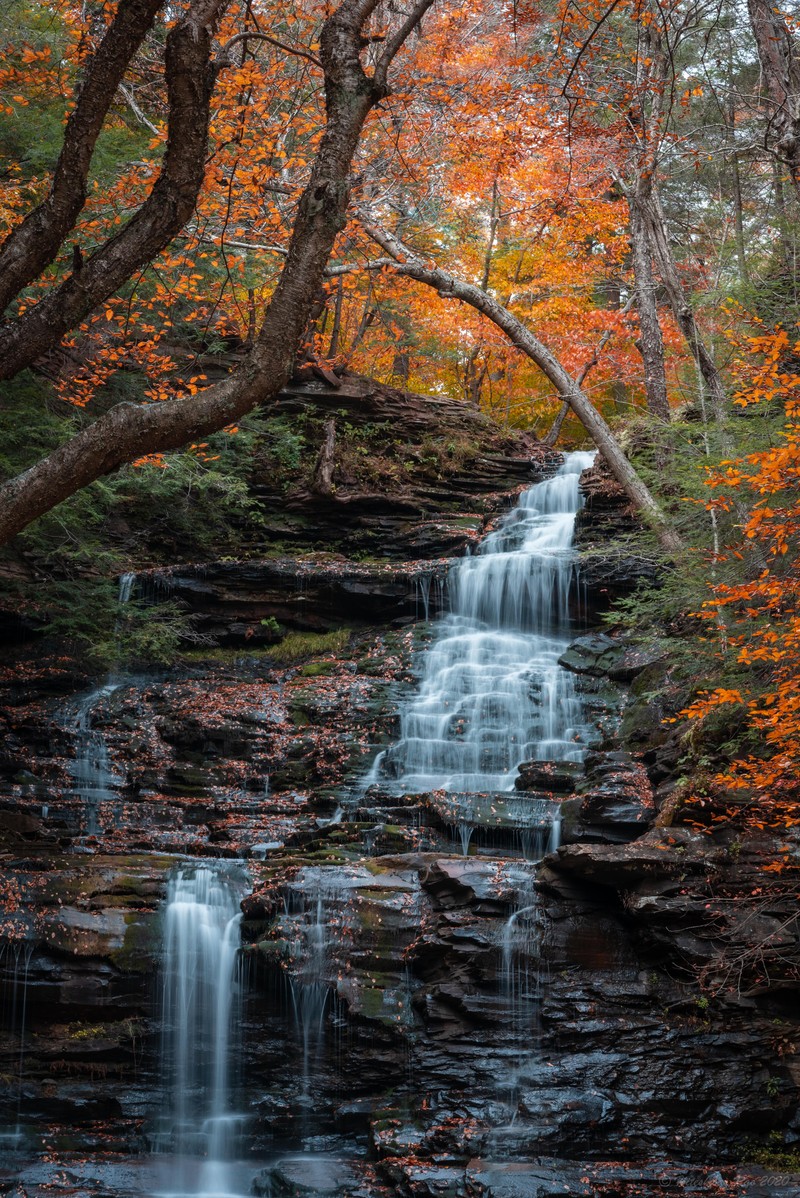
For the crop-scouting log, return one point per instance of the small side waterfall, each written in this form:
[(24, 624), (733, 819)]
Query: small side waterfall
[(200, 993), (92, 775), (492, 693), (127, 583), (94, 780)]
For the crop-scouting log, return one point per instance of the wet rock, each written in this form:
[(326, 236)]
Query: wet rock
[(428, 1181), (600, 655), (610, 1179), (307, 1177), (617, 797), (593, 654), (235, 602), (661, 852), (560, 777), (610, 561)]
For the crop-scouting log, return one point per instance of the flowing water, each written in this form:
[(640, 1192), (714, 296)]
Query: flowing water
[(492, 693), (15, 959), (200, 995), (94, 781)]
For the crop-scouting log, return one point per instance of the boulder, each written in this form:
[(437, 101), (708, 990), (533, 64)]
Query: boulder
[(558, 777), (661, 852), (306, 1177), (603, 656)]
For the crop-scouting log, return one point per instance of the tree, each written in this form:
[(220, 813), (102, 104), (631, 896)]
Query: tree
[(759, 615), (405, 262), (778, 54), (129, 431)]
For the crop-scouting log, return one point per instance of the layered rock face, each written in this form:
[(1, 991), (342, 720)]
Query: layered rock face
[(493, 994)]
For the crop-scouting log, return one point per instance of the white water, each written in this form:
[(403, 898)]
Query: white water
[(492, 693), (201, 944), (126, 584)]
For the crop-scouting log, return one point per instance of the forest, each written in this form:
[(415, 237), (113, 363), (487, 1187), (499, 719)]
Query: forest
[(399, 598)]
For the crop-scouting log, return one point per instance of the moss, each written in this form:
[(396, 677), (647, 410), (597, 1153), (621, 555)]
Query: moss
[(316, 669), (372, 1002), (297, 645), (775, 1154), (141, 945)]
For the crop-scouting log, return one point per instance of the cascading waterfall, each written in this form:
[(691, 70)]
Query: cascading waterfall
[(492, 693), (310, 991), (316, 927), (200, 993)]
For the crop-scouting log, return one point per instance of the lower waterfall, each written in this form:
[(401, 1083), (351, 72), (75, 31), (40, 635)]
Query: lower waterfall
[(199, 1032)]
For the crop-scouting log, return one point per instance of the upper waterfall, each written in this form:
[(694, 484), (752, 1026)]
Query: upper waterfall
[(492, 693)]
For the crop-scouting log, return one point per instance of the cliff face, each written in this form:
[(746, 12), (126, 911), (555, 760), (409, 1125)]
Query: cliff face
[(420, 1021)]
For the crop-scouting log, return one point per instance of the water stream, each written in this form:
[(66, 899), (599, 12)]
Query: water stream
[(94, 779), (492, 693), (199, 1033)]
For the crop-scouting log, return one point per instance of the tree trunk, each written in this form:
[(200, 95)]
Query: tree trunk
[(129, 431), (681, 308), (35, 242), (553, 433), (322, 482), (780, 65), (190, 82), (406, 263), (650, 342)]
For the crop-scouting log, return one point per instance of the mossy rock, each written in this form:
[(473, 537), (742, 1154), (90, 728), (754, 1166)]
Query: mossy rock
[(316, 669), (142, 944)]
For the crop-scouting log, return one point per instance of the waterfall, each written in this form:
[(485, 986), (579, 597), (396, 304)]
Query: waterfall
[(15, 959), (492, 693), (310, 990), (126, 584), (200, 990), (93, 779)]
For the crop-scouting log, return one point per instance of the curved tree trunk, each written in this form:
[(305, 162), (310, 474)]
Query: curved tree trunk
[(129, 431), (406, 263), (190, 78), (34, 243)]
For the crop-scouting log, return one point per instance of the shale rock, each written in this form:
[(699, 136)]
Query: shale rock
[(307, 1177), (605, 656), (659, 853), (559, 777)]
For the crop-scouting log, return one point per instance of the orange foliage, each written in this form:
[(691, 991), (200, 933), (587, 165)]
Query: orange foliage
[(764, 611), (471, 144)]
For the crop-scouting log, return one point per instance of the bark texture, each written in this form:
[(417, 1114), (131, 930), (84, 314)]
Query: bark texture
[(322, 483), (681, 306), (34, 243), (129, 431), (778, 54), (650, 342), (190, 81)]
